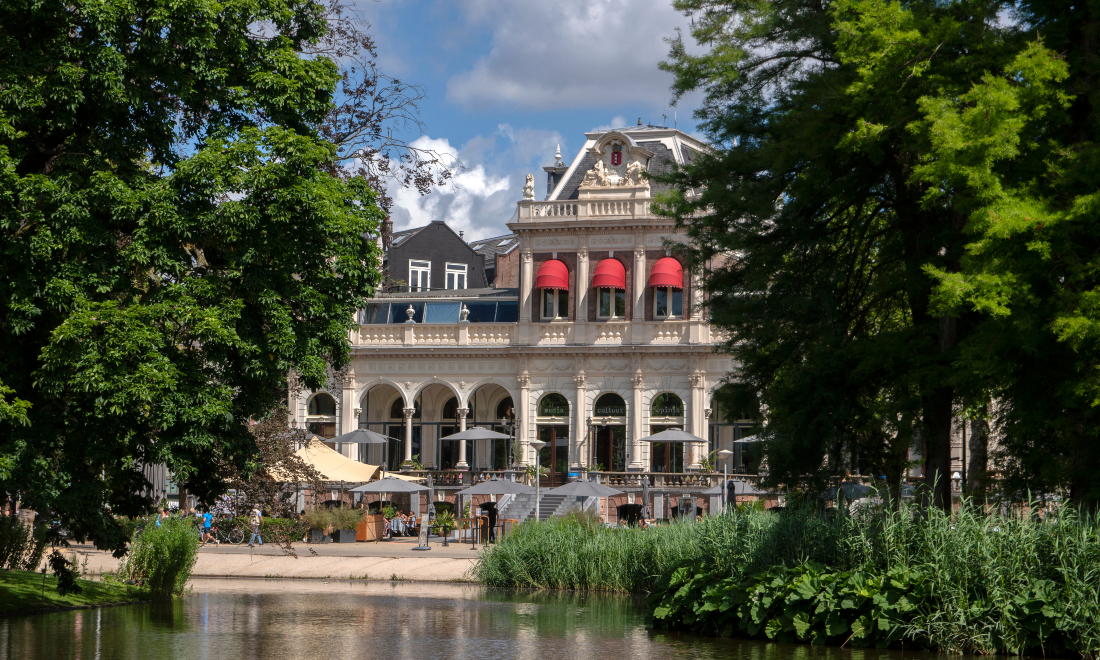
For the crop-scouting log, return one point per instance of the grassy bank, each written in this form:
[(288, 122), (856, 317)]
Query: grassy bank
[(22, 592), (969, 582)]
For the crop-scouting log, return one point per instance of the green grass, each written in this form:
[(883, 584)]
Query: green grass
[(22, 592)]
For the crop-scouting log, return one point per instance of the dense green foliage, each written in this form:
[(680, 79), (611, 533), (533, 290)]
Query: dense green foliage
[(174, 238), (971, 582), (162, 558), (968, 583), (899, 221), (21, 545)]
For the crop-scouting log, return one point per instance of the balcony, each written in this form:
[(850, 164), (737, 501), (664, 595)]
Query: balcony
[(600, 333)]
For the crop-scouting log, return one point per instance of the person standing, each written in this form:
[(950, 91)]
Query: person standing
[(254, 520), (208, 528)]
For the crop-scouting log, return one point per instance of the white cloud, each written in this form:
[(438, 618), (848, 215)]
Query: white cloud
[(481, 198), (569, 54)]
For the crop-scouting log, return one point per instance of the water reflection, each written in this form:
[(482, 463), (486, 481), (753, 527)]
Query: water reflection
[(292, 619)]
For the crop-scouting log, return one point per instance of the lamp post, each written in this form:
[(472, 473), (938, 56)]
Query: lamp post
[(725, 456), (537, 445)]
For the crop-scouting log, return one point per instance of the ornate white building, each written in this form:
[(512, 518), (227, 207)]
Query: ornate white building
[(590, 339)]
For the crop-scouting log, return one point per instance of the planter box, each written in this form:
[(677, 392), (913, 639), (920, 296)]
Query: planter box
[(318, 536), (343, 536), (372, 527)]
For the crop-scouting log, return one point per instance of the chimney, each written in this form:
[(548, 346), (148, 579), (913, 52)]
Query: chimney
[(461, 234), (639, 121)]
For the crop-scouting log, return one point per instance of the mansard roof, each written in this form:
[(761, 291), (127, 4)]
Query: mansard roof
[(668, 145)]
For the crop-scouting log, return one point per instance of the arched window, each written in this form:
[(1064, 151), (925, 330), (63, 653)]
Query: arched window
[(667, 282), (321, 415), (552, 283), (397, 409), (609, 281), (666, 405), (554, 405), (609, 405), (450, 410), (322, 403), (505, 409)]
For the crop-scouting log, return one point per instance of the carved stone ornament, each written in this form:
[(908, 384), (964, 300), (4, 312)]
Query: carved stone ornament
[(410, 312), (707, 412), (579, 380), (527, 256), (408, 385), (617, 164), (462, 412), (408, 412), (463, 313), (529, 187), (523, 381), (638, 380), (462, 385), (357, 411), (696, 380)]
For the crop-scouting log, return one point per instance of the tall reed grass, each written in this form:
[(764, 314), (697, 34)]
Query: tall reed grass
[(162, 558), (991, 576)]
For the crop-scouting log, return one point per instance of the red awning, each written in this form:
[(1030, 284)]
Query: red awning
[(552, 275), (667, 272), (610, 274)]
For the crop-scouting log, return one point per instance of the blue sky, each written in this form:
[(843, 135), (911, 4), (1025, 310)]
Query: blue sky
[(507, 80)]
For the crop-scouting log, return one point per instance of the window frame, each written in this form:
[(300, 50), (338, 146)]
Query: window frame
[(454, 271), (668, 303), (615, 295), (559, 302), (425, 283)]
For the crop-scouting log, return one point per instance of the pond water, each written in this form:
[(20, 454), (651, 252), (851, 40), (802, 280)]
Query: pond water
[(274, 619)]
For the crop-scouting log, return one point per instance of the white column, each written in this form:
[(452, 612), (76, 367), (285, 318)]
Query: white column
[(526, 286), (581, 295), (462, 412), (347, 413), (636, 432), (408, 434), (580, 432), (698, 385), (523, 415), (639, 284)]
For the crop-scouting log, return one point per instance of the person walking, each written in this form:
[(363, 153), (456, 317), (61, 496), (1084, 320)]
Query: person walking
[(208, 528), (254, 520)]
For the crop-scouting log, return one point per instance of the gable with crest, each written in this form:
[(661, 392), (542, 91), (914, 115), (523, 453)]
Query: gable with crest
[(620, 162)]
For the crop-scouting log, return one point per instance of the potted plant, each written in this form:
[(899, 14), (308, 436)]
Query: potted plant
[(344, 521), (443, 524), (320, 525)]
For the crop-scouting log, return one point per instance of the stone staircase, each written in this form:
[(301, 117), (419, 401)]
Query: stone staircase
[(522, 507)]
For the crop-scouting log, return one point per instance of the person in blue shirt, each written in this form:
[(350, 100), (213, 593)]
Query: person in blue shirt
[(208, 528)]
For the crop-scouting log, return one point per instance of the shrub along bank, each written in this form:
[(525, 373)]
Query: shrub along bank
[(162, 557), (965, 583)]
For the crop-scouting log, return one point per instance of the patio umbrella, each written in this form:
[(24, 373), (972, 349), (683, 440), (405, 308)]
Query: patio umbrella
[(739, 488), (362, 437), (646, 513), (431, 497), (496, 486), (477, 433), (673, 435), (390, 485), (584, 488)]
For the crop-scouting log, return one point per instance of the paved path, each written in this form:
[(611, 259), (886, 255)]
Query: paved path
[(384, 560)]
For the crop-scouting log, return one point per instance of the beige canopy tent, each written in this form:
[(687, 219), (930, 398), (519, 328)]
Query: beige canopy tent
[(332, 465)]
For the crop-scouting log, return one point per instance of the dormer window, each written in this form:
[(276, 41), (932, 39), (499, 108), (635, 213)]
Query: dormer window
[(420, 275), (610, 284), (456, 276), (552, 283)]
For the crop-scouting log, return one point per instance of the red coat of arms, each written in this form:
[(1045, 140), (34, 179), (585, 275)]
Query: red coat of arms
[(616, 155)]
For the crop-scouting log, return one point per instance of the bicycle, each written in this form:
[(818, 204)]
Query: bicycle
[(234, 536)]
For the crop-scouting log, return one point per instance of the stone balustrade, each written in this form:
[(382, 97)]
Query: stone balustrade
[(540, 334)]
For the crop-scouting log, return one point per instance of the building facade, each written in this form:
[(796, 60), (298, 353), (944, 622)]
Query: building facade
[(590, 339)]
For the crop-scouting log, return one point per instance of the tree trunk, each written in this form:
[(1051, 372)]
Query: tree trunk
[(938, 411), (978, 460)]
